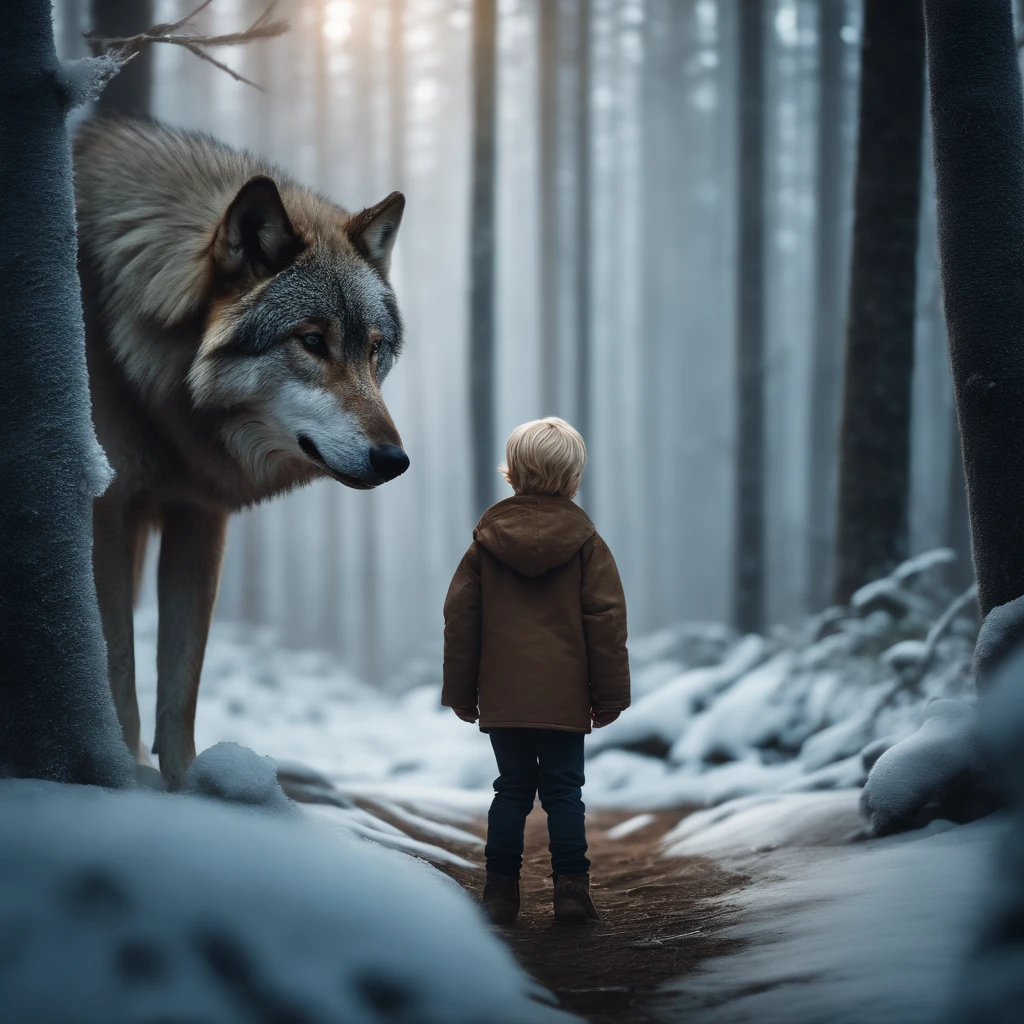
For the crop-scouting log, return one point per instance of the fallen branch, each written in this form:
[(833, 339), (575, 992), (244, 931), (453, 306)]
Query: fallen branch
[(182, 33)]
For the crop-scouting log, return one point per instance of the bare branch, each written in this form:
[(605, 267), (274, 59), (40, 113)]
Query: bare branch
[(182, 33)]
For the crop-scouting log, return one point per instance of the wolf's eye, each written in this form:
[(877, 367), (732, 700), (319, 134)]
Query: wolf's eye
[(375, 349), (315, 343)]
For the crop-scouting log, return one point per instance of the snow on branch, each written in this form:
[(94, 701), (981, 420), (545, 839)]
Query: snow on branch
[(183, 33)]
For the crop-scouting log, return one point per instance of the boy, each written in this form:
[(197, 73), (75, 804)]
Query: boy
[(535, 647)]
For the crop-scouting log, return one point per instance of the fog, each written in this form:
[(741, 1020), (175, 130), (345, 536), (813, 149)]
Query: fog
[(365, 96)]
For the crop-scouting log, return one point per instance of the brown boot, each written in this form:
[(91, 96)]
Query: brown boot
[(501, 899), (573, 904)]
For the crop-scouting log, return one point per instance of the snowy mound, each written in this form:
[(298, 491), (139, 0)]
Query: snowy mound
[(938, 772), (134, 906), (993, 979), (1001, 633), (227, 771)]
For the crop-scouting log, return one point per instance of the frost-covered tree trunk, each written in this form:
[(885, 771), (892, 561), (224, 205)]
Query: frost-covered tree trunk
[(130, 91), (748, 594), (978, 146), (828, 303), (57, 718), (874, 445), (482, 259)]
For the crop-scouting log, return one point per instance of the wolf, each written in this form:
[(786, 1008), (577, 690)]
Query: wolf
[(238, 329)]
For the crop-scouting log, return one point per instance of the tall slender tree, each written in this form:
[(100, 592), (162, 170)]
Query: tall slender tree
[(874, 449), (748, 593), (977, 116), (131, 91), (58, 718), (828, 304), (548, 264), (583, 200), (482, 260)]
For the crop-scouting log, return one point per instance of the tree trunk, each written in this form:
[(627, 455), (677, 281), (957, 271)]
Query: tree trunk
[(582, 291), (548, 265), (482, 265), (958, 524), (131, 91), (748, 595), (58, 717), (978, 146), (874, 446), (828, 303)]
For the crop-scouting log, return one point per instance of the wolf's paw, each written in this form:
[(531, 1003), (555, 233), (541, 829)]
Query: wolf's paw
[(174, 762)]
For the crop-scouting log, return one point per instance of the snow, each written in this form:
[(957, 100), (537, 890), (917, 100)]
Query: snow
[(830, 930), (153, 906), (1000, 633), (227, 771), (630, 825), (716, 716), (992, 980), (938, 772)]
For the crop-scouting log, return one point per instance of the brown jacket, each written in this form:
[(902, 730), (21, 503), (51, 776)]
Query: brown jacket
[(535, 620)]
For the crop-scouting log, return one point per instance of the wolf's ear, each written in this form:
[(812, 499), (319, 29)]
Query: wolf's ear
[(256, 238), (373, 231)]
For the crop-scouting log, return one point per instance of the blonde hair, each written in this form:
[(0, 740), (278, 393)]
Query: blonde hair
[(544, 457)]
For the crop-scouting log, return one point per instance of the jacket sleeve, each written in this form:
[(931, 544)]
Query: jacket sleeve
[(604, 624), (462, 634)]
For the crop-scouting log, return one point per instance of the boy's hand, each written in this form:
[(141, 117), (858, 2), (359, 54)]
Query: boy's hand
[(603, 718), (467, 714)]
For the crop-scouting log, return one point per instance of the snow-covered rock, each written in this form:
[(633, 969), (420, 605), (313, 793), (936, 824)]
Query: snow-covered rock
[(135, 906), (938, 772), (227, 771)]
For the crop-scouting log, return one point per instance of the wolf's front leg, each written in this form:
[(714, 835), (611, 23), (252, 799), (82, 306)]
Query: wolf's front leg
[(191, 551), (115, 530)]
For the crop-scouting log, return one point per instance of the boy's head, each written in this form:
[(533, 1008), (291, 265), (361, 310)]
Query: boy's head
[(545, 457)]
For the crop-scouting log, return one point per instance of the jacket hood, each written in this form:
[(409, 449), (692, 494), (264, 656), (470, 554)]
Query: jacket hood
[(534, 533)]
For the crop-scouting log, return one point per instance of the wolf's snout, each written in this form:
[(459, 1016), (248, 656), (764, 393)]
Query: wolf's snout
[(388, 461)]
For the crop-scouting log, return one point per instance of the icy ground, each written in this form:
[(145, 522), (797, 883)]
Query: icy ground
[(715, 716)]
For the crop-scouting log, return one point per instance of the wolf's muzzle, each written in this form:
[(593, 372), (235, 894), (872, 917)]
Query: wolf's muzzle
[(388, 461)]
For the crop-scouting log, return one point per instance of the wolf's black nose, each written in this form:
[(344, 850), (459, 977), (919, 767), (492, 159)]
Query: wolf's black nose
[(388, 461)]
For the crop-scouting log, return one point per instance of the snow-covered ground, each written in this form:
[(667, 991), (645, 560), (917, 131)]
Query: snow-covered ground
[(832, 931), (134, 906), (715, 715)]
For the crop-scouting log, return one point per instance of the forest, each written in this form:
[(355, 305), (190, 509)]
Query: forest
[(767, 256)]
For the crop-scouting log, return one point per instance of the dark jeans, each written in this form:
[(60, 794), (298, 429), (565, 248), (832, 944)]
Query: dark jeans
[(531, 762)]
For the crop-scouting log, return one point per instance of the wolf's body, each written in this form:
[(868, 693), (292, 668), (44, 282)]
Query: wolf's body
[(238, 327)]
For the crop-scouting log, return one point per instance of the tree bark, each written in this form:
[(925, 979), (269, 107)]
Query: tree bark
[(874, 446), (977, 112), (131, 91), (828, 303), (58, 718), (482, 263), (748, 594)]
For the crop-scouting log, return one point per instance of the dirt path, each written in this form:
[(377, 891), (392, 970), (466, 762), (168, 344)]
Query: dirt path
[(653, 927)]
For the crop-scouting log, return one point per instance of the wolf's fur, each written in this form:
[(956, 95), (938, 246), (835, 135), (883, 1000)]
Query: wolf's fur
[(238, 327)]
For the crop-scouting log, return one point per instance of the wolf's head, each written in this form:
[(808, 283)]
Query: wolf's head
[(302, 330)]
